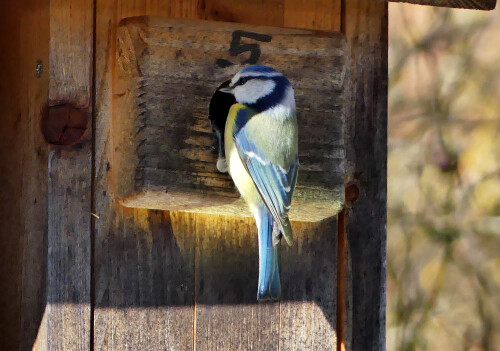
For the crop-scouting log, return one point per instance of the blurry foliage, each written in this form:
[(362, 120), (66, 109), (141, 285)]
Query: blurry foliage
[(444, 179)]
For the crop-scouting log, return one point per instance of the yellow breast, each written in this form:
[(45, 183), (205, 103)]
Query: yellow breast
[(236, 169)]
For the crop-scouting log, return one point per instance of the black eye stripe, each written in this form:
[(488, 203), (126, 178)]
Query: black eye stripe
[(243, 80)]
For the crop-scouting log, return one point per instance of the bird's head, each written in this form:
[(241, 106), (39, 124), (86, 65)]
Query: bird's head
[(261, 88)]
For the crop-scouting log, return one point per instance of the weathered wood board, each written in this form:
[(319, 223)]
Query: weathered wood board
[(132, 313), (366, 152), (68, 311), (23, 172), (144, 285), (165, 74)]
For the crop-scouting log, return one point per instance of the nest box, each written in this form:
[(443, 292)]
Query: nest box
[(165, 74)]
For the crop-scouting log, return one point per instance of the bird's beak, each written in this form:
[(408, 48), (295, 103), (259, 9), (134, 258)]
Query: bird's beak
[(227, 90)]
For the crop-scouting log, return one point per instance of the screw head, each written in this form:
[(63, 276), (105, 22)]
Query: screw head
[(64, 124), (39, 69), (351, 192)]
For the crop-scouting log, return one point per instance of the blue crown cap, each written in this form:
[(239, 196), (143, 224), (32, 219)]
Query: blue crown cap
[(259, 69)]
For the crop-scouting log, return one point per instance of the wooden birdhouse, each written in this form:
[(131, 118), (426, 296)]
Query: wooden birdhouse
[(120, 233), (165, 74)]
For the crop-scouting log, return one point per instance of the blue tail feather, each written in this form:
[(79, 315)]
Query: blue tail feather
[(269, 280)]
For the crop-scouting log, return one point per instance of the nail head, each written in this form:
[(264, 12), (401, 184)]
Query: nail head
[(64, 124)]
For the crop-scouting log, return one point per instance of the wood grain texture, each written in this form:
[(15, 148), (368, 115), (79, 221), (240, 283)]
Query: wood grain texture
[(324, 15), (23, 159), (11, 224), (309, 283), (318, 15), (34, 48), (144, 293), (267, 13), (366, 32), (68, 261), (68, 311), (165, 75), (125, 321), (71, 42), (226, 288), (144, 272), (226, 276), (465, 4)]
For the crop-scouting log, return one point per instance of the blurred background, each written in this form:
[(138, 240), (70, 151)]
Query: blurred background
[(443, 271)]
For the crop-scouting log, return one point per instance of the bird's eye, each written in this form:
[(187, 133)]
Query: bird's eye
[(243, 81)]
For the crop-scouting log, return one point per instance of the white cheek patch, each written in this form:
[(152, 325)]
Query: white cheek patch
[(289, 99), (235, 79), (253, 90), (286, 108)]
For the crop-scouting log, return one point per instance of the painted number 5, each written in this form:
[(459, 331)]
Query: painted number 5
[(237, 47)]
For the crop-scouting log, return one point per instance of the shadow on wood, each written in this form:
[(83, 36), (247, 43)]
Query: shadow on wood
[(151, 272), (152, 263)]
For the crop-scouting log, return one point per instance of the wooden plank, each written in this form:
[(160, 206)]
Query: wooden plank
[(68, 311), (366, 32), (144, 269), (161, 133), (34, 49), (269, 13), (23, 156), (118, 238), (227, 316), (68, 260), (307, 309), (11, 224), (309, 283), (465, 4), (71, 25), (148, 281), (318, 14)]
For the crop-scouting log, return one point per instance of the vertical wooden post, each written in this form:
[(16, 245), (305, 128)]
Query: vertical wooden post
[(365, 24), (10, 196), (144, 259), (23, 155), (68, 311)]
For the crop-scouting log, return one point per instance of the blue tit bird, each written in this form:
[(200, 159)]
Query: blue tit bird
[(261, 144)]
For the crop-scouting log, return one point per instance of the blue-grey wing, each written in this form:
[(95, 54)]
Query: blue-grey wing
[(275, 184)]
